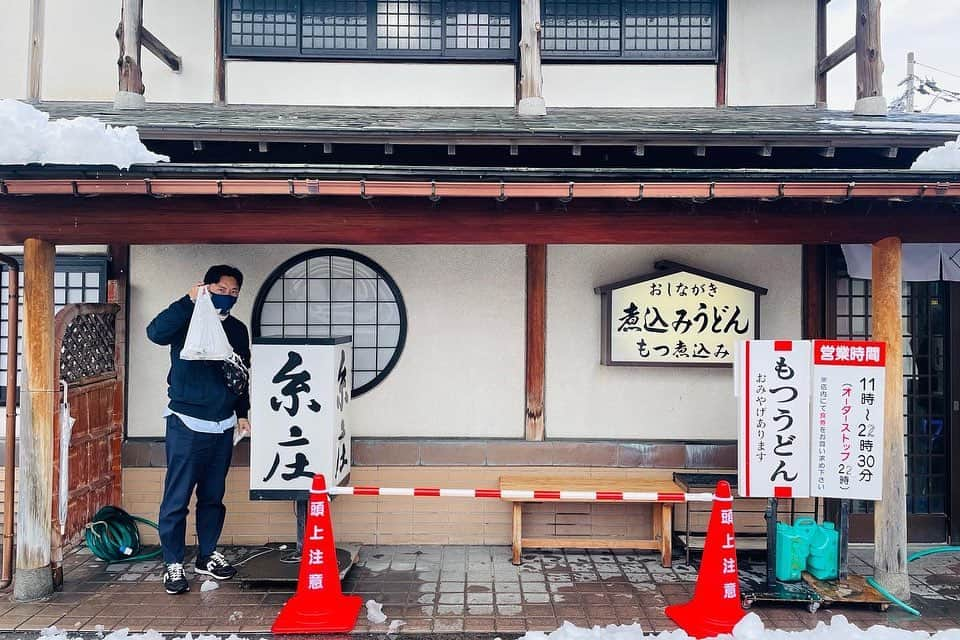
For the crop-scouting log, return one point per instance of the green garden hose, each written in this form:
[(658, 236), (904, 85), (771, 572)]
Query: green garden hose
[(930, 552), (113, 536), (914, 556), (892, 598)]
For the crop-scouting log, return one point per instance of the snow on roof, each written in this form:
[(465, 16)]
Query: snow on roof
[(945, 158), (885, 124), (28, 135)]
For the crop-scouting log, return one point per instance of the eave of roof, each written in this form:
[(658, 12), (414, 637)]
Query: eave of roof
[(464, 173), (743, 186), (729, 126)]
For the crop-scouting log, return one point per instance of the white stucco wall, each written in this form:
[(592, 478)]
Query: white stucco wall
[(370, 83), (587, 399), (639, 85), (14, 48), (187, 28), (80, 50), (771, 61), (771, 52), (461, 372)]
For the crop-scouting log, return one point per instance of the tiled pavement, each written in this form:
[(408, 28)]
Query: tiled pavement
[(452, 589)]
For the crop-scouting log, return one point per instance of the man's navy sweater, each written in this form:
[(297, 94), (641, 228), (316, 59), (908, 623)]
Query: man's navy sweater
[(196, 387)]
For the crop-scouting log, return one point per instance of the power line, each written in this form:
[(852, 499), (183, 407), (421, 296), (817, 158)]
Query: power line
[(920, 64)]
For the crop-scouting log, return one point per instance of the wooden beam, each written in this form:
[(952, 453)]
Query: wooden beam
[(157, 48), (130, 92), (219, 65), (35, 55), (536, 323), (281, 219), (821, 51), (890, 514), (34, 579), (531, 101), (843, 52), (870, 100)]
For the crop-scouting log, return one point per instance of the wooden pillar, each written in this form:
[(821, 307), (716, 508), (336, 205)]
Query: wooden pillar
[(870, 100), (813, 295), (531, 75), (130, 93), (219, 66), (33, 578), (890, 514), (118, 292), (721, 31), (536, 340), (35, 63), (821, 82)]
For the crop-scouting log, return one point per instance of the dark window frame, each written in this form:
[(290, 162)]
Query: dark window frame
[(302, 258), (233, 52), (64, 264), (650, 57), (851, 300)]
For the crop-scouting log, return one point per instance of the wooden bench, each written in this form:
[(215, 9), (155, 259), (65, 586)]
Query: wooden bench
[(662, 512)]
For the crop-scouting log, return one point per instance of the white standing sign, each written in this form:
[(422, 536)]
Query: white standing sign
[(299, 397), (773, 396), (848, 398)]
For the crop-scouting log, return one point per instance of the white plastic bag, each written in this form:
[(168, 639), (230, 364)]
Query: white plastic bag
[(206, 339)]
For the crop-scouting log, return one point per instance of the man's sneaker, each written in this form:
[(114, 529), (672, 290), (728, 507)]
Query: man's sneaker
[(174, 580), (216, 566)]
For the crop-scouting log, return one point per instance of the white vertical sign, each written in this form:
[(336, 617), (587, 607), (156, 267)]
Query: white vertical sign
[(773, 397), (299, 396), (847, 460)]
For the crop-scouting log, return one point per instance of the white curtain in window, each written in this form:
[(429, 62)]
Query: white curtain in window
[(921, 262)]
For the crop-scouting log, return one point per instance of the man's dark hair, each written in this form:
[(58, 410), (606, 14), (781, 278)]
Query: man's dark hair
[(217, 271)]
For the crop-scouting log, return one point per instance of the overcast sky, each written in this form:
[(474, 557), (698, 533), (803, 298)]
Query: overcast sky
[(929, 28)]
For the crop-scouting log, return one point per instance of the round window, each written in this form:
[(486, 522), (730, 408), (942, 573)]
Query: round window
[(335, 292)]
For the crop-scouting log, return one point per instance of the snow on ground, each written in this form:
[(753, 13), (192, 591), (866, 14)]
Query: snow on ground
[(750, 628), (123, 634), (375, 612), (28, 135), (945, 158)]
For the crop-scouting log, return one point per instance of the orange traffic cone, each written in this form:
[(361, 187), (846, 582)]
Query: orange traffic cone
[(319, 605), (715, 607)]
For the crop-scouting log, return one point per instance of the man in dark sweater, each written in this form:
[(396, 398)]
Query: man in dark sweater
[(201, 418)]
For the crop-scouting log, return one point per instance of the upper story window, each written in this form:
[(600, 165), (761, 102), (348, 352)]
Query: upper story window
[(630, 29), (447, 29)]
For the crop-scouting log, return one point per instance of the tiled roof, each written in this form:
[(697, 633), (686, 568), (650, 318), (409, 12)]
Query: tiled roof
[(735, 126)]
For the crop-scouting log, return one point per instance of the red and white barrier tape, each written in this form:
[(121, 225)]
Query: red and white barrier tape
[(521, 494)]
